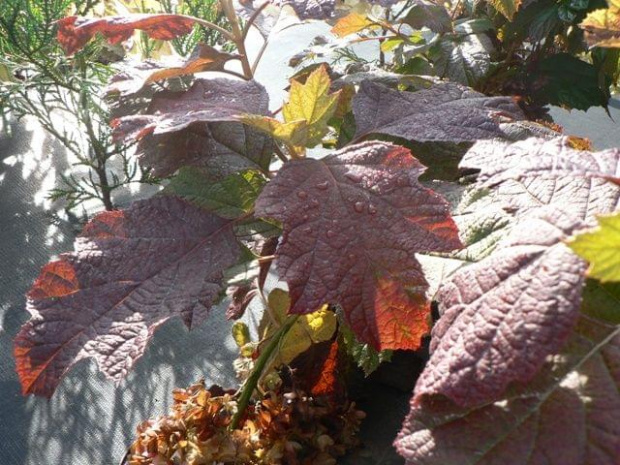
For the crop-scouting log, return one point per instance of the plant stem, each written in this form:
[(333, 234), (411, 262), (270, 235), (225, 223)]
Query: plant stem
[(261, 363), (237, 36)]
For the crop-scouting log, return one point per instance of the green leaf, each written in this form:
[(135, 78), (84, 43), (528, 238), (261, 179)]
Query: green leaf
[(364, 355), (312, 328), (230, 197), (601, 248), (567, 81), (602, 301)]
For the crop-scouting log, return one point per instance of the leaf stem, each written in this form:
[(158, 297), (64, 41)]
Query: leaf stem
[(237, 37), (261, 363), (253, 18)]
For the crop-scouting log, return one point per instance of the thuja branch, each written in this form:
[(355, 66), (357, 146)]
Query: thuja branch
[(261, 363)]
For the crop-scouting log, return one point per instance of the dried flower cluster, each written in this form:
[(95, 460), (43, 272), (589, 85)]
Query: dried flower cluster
[(281, 428)]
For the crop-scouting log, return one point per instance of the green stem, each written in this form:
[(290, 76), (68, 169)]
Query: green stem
[(261, 363)]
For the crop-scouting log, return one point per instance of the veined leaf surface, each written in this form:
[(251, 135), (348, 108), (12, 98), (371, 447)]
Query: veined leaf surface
[(445, 112), (131, 271), (353, 222), (566, 415)]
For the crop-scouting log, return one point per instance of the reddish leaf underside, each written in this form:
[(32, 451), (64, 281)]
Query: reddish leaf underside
[(567, 415), (198, 127), (352, 223), (74, 32), (446, 112), (133, 76), (131, 271)]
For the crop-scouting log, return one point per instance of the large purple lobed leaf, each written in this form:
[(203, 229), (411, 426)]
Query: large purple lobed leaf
[(131, 271), (353, 222), (445, 112), (503, 315), (196, 126), (567, 415)]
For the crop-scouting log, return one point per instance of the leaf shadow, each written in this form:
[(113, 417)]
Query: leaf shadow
[(88, 420)]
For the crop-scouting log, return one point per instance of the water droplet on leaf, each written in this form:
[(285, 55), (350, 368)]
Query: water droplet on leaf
[(323, 185), (372, 209), (330, 233), (354, 177), (302, 194), (359, 207)]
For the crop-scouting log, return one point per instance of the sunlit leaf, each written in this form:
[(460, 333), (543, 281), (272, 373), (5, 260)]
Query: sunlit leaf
[(603, 26), (74, 32), (131, 271), (503, 315), (351, 24), (353, 222), (566, 415), (601, 248), (312, 102)]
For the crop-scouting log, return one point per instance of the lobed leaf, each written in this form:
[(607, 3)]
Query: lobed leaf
[(508, 8), (131, 271), (566, 415), (312, 102), (74, 32), (445, 112), (503, 315), (199, 127), (352, 223), (537, 172), (601, 248)]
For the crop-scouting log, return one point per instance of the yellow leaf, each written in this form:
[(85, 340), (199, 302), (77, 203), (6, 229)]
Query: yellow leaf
[(313, 103), (309, 329), (241, 333), (602, 27), (294, 134), (351, 24)]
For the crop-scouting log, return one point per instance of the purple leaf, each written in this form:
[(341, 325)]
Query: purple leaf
[(503, 315), (197, 126), (445, 112), (537, 172), (567, 415), (130, 272), (353, 222)]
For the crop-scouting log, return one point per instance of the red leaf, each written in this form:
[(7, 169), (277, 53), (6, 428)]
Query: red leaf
[(198, 127), (131, 271), (353, 222), (74, 32)]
